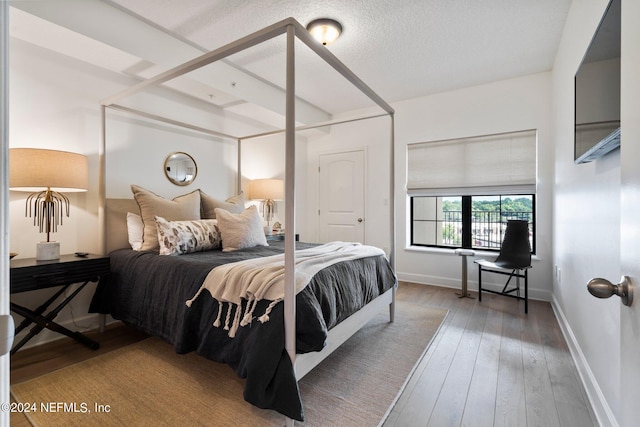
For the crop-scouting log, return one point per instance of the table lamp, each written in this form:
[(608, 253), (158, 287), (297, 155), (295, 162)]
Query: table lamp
[(46, 174), (267, 190)]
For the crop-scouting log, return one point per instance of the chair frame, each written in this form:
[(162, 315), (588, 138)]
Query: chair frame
[(490, 267)]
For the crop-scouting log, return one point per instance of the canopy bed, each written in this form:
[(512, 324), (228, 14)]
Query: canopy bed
[(339, 324)]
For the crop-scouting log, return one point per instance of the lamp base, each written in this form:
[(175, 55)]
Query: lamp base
[(46, 251), (268, 231)]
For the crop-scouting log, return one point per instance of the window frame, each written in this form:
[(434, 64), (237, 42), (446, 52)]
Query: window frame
[(467, 241)]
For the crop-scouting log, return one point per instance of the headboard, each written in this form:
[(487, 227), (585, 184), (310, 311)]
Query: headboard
[(116, 222)]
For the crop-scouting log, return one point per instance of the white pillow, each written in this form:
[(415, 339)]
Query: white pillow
[(184, 237), (135, 230), (239, 231)]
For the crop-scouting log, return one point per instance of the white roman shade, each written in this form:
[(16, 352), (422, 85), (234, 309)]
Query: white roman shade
[(484, 165)]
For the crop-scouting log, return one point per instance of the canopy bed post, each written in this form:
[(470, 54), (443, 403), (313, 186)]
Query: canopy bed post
[(289, 241), (239, 169), (392, 212), (290, 206), (102, 197), (102, 182)]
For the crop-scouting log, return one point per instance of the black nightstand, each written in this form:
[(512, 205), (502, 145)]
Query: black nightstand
[(276, 237), (30, 275)]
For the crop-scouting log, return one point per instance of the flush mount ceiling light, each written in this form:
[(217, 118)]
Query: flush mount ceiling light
[(325, 30)]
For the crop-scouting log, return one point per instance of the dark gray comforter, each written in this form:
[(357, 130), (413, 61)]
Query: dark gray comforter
[(149, 291)]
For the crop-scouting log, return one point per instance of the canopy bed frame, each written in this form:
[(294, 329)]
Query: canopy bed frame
[(305, 362)]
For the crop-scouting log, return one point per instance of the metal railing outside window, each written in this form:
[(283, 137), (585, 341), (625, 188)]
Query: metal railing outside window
[(445, 222), (487, 228)]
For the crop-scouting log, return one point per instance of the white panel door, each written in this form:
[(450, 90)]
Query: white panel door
[(342, 197), (630, 208)]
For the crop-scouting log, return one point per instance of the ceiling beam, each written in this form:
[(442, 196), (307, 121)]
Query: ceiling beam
[(121, 29)]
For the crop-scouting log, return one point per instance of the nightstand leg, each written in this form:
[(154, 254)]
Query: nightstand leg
[(38, 311), (42, 322)]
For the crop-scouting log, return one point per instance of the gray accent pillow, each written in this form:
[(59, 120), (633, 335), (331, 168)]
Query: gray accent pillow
[(239, 231), (234, 204)]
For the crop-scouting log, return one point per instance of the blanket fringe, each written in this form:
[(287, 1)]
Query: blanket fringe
[(239, 319), (189, 302), (217, 323), (226, 322), (233, 321), (265, 317), (236, 322), (248, 316)]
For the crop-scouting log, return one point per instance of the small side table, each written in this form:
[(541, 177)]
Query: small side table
[(28, 274), (464, 253)]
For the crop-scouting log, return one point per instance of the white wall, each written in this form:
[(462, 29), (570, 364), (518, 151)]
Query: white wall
[(510, 105), (136, 151), (586, 227)]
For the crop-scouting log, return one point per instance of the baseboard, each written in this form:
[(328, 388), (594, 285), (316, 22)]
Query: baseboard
[(425, 279), (472, 285), (599, 405)]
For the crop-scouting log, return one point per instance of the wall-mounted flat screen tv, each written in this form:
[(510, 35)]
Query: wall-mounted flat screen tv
[(597, 91)]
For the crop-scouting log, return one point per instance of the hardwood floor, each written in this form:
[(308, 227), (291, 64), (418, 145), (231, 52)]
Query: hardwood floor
[(489, 365), (492, 365)]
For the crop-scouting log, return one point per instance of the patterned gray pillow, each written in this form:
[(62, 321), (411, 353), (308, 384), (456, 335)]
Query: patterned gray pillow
[(183, 237)]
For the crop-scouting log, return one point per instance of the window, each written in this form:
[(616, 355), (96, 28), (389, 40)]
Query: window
[(463, 191), (472, 222)]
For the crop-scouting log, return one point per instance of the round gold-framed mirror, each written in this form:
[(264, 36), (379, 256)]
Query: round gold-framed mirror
[(180, 168)]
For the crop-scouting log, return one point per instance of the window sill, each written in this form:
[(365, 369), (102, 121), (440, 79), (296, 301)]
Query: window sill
[(446, 251)]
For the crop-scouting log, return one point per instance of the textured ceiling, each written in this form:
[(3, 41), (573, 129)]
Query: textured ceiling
[(400, 48)]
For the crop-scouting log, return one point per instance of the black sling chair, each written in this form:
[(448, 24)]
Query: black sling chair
[(514, 261)]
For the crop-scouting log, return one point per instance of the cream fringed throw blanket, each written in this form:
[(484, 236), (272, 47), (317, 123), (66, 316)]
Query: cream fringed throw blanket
[(263, 279)]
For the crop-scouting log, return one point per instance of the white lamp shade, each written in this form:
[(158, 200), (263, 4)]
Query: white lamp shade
[(34, 169), (267, 189)]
